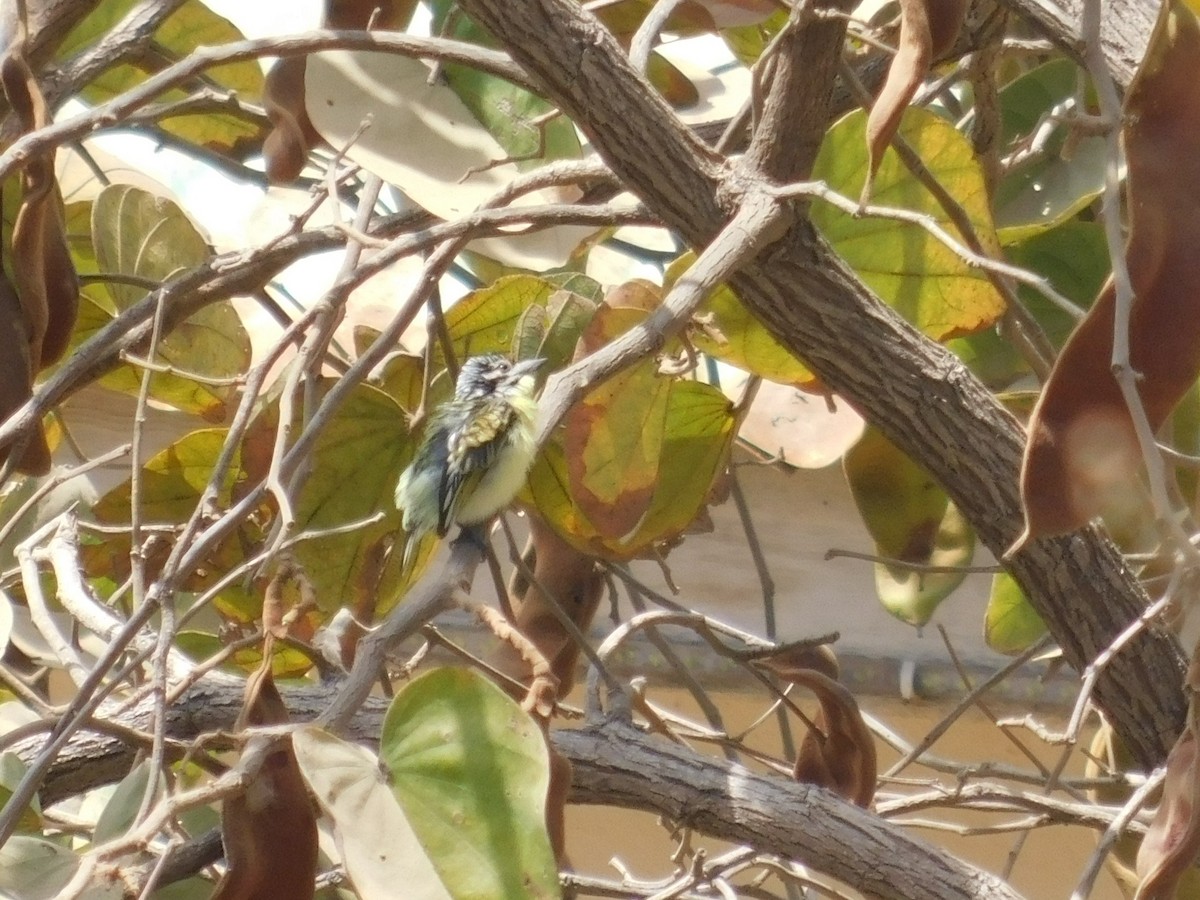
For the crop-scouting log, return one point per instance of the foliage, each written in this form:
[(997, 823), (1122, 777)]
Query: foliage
[(244, 516)]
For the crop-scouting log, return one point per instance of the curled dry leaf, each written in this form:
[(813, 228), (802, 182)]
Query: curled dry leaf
[(927, 29), (564, 576), (269, 830), (292, 136), (1082, 457), (1173, 841), (41, 289), (838, 752)]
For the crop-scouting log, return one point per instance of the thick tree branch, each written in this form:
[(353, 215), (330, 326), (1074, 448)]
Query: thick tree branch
[(613, 764), (923, 398), (1124, 31)]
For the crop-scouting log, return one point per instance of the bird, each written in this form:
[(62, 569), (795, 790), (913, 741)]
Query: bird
[(476, 450)]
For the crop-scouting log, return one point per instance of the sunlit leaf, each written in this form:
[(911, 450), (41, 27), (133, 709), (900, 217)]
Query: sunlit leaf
[(614, 440), (484, 321), (470, 770), (923, 280), (728, 332), (286, 662), (1054, 185), (356, 463), (912, 521), (192, 26), (172, 481), (698, 431), (676, 88), (1010, 624), (135, 233), (376, 841), (747, 42)]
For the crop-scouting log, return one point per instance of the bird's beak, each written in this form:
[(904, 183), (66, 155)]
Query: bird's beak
[(527, 366)]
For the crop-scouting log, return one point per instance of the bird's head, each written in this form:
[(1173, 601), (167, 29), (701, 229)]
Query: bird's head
[(481, 376)]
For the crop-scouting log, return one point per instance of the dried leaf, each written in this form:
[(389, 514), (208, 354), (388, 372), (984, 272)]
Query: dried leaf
[(562, 576), (41, 291), (269, 830), (16, 378), (927, 29), (838, 752), (292, 136), (1173, 840), (1083, 456)]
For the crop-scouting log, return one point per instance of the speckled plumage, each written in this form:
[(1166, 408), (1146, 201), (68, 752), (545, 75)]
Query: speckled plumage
[(476, 452)]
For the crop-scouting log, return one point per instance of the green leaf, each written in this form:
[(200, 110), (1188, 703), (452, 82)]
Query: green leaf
[(120, 813), (485, 321), (1050, 188), (192, 26), (136, 233), (747, 42), (471, 772), (614, 438), (911, 520), (12, 770), (568, 314), (730, 333), (549, 489), (1010, 624), (36, 869), (577, 283), (376, 841), (514, 116), (911, 271), (286, 662), (1074, 258), (355, 465), (699, 429), (172, 481)]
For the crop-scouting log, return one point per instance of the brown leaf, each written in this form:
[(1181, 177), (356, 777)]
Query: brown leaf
[(1083, 457), (573, 581), (927, 29), (269, 830), (44, 282), (1173, 840), (16, 379), (838, 752), (292, 136)]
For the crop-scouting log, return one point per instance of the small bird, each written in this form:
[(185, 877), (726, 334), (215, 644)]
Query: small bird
[(476, 452)]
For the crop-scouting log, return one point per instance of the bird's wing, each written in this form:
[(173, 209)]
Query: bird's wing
[(469, 453)]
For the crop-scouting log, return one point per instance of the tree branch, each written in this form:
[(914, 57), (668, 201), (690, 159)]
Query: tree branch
[(915, 391), (613, 764)]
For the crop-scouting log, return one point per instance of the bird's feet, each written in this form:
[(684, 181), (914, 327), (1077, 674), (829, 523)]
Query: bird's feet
[(474, 535)]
